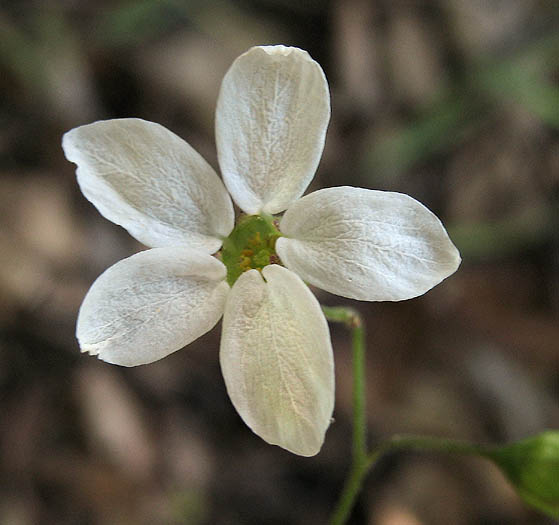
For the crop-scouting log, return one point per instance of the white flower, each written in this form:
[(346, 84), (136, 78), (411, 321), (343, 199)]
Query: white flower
[(276, 354)]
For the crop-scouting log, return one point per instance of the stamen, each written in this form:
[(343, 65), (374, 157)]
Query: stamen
[(251, 245)]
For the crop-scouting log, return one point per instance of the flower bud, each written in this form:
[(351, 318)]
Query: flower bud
[(532, 466)]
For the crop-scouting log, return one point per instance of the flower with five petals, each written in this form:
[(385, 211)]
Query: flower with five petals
[(276, 355)]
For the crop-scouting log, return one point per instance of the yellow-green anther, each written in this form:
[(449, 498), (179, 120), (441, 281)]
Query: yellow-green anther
[(251, 245)]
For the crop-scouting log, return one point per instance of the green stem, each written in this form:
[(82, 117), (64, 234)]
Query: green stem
[(359, 394), (362, 462), (349, 494), (359, 471), (360, 466)]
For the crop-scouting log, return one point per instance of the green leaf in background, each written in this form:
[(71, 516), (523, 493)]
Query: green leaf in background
[(532, 466)]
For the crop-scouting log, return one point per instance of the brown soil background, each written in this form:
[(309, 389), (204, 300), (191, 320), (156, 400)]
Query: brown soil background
[(455, 103)]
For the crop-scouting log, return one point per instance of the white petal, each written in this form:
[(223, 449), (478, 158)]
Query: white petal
[(366, 244), (276, 358), (143, 177), (272, 114), (151, 304)]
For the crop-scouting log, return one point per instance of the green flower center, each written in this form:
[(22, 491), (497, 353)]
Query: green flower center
[(251, 245)]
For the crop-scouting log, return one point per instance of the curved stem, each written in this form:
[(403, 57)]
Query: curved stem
[(362, 462)]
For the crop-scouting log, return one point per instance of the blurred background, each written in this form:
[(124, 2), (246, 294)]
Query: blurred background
[(453, 102)]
